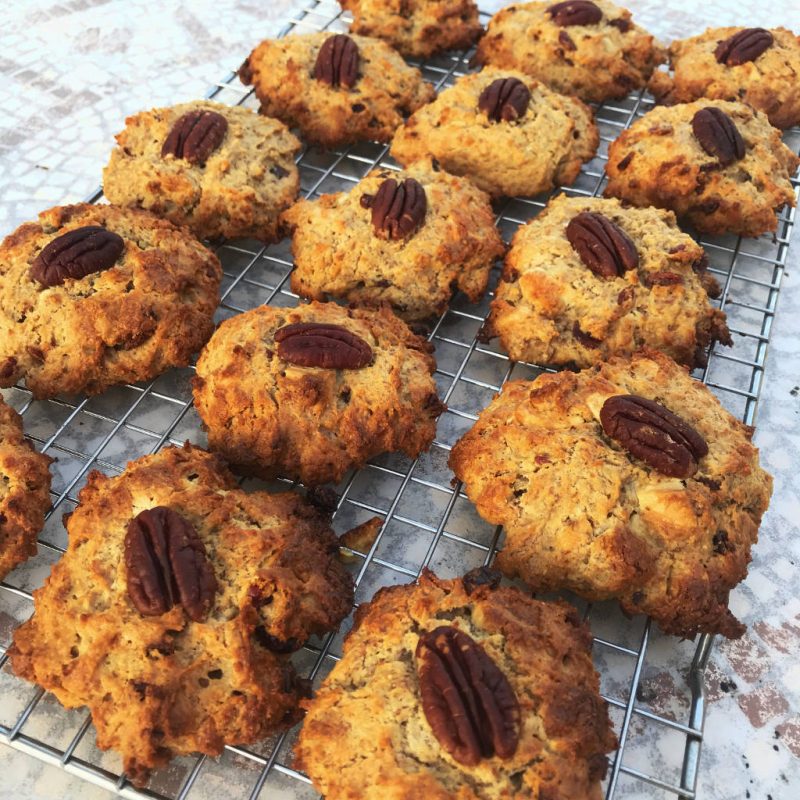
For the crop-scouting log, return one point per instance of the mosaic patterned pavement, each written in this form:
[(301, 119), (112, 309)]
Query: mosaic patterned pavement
[(71, 73)]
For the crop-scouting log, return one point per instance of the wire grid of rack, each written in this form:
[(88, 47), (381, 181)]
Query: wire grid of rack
[(427, 520)]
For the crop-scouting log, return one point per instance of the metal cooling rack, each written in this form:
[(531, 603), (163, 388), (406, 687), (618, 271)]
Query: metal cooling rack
[(427, 521)]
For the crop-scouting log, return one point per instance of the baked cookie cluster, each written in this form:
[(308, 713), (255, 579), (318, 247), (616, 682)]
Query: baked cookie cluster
[(751, 65), (222, 171), (417, 28), (391, 703), (314, 391), (718, 164), (95, 295), (590, 278), (507, 132), (337, 89), (175, 611), (592, 50), (175, 608), (356, 247), (626, 480), (24, 492)]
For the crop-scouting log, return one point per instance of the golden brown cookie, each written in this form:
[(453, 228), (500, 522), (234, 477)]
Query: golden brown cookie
[(603, 492), (379, 727), (24, 492), (719, 165), (345, 246), (507, 132), (313, 391), (420, 28), (589, 278), (589, 49), (172, 613), (753, 65), (336, 89), (96, 295), (220, 170)]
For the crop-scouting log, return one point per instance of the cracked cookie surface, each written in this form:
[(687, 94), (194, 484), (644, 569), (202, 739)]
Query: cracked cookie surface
[(543, 147), (24, 491), (150, 310), (659, 161), (770, 83), (164, 685), (386, 90), (239, 190), (366, 736), (582, 513), (420, 28), (270, 416), (598, 61), (338, 254), (550, 308)]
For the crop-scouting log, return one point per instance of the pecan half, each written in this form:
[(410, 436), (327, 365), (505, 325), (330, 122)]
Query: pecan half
[(747, 45), (654, 434), (398, 209), (166, 563), (575, 12), (337, 62), (718, 135), (76, 254), (602, 245), (468, 702), (505, 99), (195, 136), (320, 344)]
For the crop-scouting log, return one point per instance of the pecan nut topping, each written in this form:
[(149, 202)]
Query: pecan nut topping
[(76, 254), (467, 700), (747, 45), (654, 434), (602, 245), (337, 62), (398, 209), (320, 344), (718, 135), (505, 99), (575, 12), (166, 564), (195, 136)]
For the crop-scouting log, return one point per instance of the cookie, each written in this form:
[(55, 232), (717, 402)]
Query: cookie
[(719, 165), (508, 133), (223, 171), (381, 726), (349, 247), (626, 480), (589, 278), (313, 391), (24, 492), (336, 89), (417, 28), (96, 295), (756, 66), (174, 609), (589, 49)]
